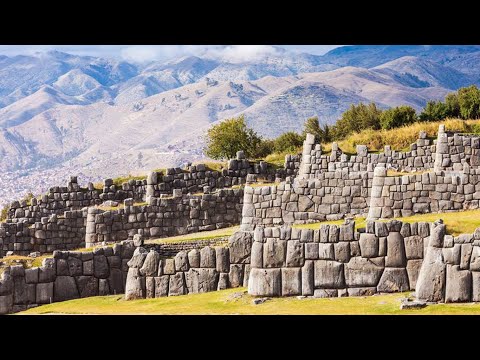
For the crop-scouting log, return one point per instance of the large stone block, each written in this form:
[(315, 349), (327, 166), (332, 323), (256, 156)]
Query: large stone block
[(291, 281), (325, 293), (65, 288), (342, 251), (311, 251), (6, 304), (240, 247), (393, 280), (101, 269), (180, 260), (23, 293), (31, 275), (115, 281), (149, 287), (135, 285), (265, 282), (395, 251), (475, 259), (201, 280), (308, 278), (465, 255), (150, 265), (413, 269), (362, 291), (161, 285), (414, 247), (295, 254), (458, 284), (368, 245), (328, 274), (452, 255), (176, 285), (326, 251), (207, 257), (431, 279), (437, 235), (168, 267), (235, 276), (137, 258), (75, 266), (362, 272), (274, 253), (194, 258), (475, 286), (305, 203), (87, 286), (44, 293), (223, 281), (222, 259)]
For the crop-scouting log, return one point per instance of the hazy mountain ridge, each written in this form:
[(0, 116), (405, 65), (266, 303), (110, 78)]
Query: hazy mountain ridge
[(109, 117)]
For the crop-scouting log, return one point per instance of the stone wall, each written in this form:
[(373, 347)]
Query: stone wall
[(337, 260), (51, 233), (451, 269), (429, 192), (66, 276), (453, 150), (328, 197), (195, 271), (166, 217)]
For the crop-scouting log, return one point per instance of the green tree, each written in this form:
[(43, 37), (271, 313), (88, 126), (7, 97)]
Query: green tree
[(357, 118), (312, 126), (288, 141), (453, 105), (469, 101), (228, 137), (264, 148), (433, 111), (398, 116)]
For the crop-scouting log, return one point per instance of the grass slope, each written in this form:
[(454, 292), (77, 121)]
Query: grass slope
[(237, 302), (204, 235), (463, 222)]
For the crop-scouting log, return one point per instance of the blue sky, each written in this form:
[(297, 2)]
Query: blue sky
[(142, 53)]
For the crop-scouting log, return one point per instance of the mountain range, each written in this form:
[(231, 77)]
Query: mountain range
[(107, 117)]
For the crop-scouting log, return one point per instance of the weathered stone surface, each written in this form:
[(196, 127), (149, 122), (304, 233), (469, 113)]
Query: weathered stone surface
[(393, 280), (395, 251), (88, 267), (475, 286), (150, 265), (291, 281), (246, 274), (458, 284), (325, 293), (475, 259), (308, 278), (149, 287), (6, 304), (311, 251), (240, 246), (135, 285), (176, 285), (465, 255), (62, 267), (115, 281), (161, 285), (274, 253), (362, 291), (23, 293), (222, 259), (362, 272), (103, 288), (87, 286), (235, 276), (138, 258), (222, 281), (207, 257), (194, 258), (31, 275), (295, 254), (414, 247), (101, 269), (342, 251), (328, 274), (305, 203), (437, 235), (452, 255), (368, 245), (168, 267), (265, 282), (257, 255), (431, 279), (65, 289), (413, 269), (44, 293), (326, 251)]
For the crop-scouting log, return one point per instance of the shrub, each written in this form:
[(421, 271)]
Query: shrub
[(230, 136), (434, 111), (469, 102), (321, 133), (398, 116), (288, 141), (357, 118)]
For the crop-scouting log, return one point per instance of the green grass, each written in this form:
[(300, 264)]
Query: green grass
[(123, 179), (226, 302), (460, 222), (203, 235)]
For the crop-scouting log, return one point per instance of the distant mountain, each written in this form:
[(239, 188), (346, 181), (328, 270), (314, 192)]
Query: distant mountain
[(108, 117)]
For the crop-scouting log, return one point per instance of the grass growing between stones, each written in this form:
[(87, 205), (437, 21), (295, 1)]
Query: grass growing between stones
[(204, 235), (238, 302), (460, 222)]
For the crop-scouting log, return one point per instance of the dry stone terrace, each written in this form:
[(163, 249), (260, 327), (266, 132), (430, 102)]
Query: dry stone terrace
[(268, 255)]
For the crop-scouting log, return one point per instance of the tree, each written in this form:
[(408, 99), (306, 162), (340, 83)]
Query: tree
[(398, 116), (321, 133), (228, 137), (469, 101), (433, 111), (452, 105), (288, 141), (357, 118)]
